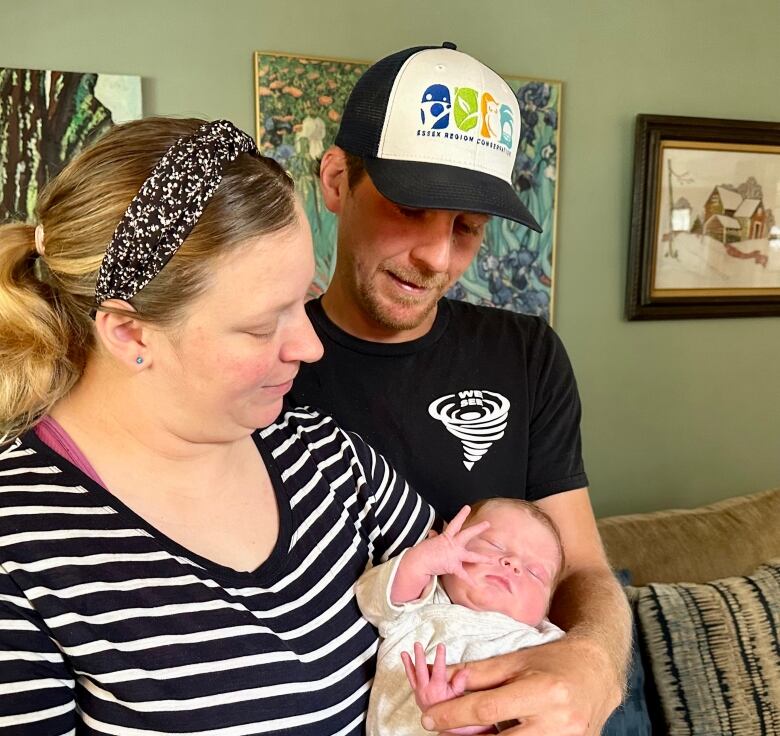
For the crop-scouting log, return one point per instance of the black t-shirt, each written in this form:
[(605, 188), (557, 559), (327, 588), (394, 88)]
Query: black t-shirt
[(485, 404)]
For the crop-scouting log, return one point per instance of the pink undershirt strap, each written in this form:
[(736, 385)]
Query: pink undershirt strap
[(52, 434)]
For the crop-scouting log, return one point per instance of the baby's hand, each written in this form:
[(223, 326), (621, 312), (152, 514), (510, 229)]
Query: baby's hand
[(445, 553), (432, 687)]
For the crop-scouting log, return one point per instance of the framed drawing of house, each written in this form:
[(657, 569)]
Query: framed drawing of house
[(299, 100), (705, 235)]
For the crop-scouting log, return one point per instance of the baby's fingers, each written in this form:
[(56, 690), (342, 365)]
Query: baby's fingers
[(458, 683), (420, 666), (409, 669), (439, 672), (454, 526), (471, 532), (476, 557), (460, 572)]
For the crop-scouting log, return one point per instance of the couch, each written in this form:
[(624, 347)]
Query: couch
[(704, 585)]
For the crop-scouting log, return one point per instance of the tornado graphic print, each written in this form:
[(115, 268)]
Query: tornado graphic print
[(476, 418)]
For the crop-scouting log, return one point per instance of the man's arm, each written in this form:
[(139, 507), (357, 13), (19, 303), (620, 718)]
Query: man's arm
[(589, 603), (569, 686)]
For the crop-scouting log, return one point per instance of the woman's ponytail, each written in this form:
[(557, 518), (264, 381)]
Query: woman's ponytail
[(36, 366)]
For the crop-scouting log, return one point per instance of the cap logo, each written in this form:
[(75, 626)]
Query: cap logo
[(466, 108), (476, 114), (435, 107)]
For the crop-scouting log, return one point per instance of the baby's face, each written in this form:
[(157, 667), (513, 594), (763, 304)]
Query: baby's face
[(519, 579)]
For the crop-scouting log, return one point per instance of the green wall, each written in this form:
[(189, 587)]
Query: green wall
[(676, 413)]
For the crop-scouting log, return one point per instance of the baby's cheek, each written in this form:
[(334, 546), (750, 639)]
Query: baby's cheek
[(535, 606)]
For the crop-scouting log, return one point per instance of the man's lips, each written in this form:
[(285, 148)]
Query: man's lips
[(499, 582), (409, 286)]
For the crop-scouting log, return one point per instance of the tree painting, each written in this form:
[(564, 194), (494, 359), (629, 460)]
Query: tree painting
[(46, 117), (299, 103)]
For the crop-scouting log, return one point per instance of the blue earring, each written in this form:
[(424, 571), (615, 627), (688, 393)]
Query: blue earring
[(139, 360)]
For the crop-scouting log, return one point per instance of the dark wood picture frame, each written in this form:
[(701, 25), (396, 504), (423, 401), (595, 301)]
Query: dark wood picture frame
[(653, 134)]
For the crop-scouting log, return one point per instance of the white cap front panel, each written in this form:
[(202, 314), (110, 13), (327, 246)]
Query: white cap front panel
[(447, 108)]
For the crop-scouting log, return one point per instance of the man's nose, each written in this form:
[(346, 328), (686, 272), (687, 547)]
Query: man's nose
[(432, 252)]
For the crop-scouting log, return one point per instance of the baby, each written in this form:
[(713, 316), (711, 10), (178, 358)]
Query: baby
[(482, 587)]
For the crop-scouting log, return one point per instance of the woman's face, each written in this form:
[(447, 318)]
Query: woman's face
[(225, 371)]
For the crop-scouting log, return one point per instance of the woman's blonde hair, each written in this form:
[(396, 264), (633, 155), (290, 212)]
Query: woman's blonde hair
[(46, 332)]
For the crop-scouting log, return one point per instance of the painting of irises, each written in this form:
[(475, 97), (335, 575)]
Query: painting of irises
[(299, 100), (47, 117)]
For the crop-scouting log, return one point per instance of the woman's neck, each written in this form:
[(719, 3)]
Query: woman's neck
[(125, 436), (212, 497)]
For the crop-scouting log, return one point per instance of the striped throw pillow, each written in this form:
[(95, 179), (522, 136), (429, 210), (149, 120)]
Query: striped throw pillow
[(715, 652)]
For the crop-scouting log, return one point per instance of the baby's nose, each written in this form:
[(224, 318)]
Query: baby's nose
[(510, 564)]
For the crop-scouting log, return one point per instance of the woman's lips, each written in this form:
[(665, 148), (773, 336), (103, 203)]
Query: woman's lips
[(279, 388)]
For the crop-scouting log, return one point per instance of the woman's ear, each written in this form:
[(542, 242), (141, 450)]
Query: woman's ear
[(333, 179), (123, 336)]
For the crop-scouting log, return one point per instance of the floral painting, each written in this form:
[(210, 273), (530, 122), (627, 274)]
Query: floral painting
[(299, 103), (46, 118)]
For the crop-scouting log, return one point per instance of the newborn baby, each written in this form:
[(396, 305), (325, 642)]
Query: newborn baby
[(481, 588)]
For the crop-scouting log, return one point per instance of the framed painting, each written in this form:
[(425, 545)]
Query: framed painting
[(46, 118), (705, 241), (299, 100)]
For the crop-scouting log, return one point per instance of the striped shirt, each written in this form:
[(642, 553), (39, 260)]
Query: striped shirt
[(109, 627)]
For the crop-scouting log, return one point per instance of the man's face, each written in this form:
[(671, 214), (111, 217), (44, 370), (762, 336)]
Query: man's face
[(394, 263)]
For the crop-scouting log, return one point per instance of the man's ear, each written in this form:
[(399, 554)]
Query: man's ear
[(124, 336), (334, 180)]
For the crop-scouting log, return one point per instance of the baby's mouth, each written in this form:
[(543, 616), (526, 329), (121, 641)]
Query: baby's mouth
[(499, 582)]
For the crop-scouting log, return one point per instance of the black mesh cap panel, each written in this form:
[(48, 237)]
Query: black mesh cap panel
[(364, 113)]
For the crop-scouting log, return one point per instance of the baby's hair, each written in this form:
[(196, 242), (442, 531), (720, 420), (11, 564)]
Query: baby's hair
[(542, 516)]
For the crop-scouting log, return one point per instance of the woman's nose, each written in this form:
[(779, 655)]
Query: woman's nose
[(302, 345)]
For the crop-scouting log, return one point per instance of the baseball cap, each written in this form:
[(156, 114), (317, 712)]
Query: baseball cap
[(437, 129)]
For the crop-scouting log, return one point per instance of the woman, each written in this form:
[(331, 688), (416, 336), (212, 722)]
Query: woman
[(165, 567)]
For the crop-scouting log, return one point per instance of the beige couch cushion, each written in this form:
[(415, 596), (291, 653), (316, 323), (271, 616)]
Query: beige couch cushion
[(724, 539)]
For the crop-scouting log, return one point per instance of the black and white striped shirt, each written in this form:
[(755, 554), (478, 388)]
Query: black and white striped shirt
[(109, 627)]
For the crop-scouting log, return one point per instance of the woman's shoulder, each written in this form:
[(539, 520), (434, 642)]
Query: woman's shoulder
[(309, 427), (26, 461)]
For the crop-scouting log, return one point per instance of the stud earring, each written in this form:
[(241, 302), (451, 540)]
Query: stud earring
[(139, 360)]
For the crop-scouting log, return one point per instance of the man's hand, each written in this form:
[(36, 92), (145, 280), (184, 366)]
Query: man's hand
[(431, 687), (442, 554), (554, 689)]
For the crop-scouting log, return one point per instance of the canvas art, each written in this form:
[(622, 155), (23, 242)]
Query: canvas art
[(46, 118), (705, 233), (299, 100)]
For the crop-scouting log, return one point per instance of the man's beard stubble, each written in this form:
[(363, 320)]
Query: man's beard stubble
[(436, 282)]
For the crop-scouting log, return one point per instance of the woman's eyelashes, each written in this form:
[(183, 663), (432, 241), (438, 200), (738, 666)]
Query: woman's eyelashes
[(261, 332)]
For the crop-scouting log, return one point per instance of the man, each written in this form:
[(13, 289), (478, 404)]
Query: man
[(467, 402)]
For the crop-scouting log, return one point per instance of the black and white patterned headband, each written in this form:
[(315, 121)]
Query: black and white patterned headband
[(167, 208)]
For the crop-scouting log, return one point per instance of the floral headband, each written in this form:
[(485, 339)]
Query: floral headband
[(167, 208)]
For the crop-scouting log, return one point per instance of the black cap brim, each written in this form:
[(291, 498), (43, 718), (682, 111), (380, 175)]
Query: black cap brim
[(440, 187)]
